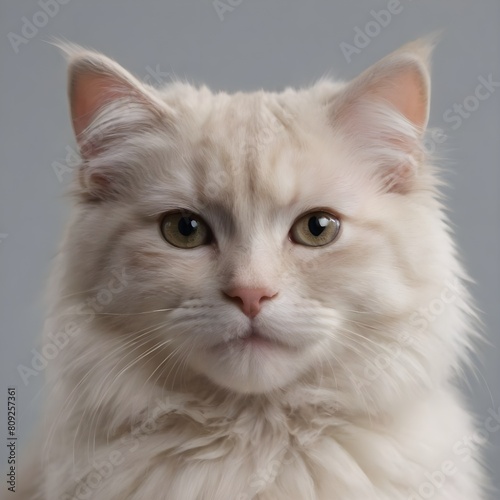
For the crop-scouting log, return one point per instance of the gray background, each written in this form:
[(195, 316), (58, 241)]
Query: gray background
[(267, 44)]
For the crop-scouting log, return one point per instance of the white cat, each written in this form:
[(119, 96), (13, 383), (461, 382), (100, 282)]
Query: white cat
[(257, 297)]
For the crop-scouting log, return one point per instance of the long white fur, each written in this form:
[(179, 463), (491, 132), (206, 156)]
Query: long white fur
[(362, 403)]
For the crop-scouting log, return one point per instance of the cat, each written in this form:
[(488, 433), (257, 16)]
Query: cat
[(257, 296)]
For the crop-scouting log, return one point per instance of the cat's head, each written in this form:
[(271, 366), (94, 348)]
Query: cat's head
[(264, 236)]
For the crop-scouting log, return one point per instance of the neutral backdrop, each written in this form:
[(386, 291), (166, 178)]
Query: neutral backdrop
[(236, 45)]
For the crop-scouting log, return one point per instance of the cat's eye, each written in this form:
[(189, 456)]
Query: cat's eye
[(315, 229), (185, 230)]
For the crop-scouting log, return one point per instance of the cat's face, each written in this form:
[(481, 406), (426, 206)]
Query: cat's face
[(262, 236)]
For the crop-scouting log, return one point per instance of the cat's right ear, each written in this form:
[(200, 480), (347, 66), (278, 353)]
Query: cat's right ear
[(109, 109), (98, 86)]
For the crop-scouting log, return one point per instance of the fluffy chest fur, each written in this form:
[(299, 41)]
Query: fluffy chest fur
[(182, 448)]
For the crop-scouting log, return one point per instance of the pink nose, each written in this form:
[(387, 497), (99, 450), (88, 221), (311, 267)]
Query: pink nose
[(250, 299)]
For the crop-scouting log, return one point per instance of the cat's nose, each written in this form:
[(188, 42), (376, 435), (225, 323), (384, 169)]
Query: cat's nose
[(250, 299)]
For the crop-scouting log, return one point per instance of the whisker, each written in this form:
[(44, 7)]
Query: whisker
[(102, 398), (121, 346)]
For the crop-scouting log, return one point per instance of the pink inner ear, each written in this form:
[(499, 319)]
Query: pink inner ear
[(408, 95), (88, 94)]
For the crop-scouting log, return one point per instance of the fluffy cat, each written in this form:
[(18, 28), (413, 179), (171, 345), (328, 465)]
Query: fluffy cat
[(257, 297)]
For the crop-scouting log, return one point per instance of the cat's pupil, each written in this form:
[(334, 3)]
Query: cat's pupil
[(187, 226), (317, 225)]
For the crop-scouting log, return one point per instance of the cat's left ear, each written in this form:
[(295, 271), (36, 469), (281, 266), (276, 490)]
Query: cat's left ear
[(385, 111)]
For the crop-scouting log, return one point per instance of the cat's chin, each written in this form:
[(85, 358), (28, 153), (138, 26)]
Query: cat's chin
[(252, 364)]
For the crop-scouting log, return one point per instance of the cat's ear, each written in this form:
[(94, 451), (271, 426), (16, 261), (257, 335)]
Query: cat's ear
[(96, 84), (385, 111), (110, 108)]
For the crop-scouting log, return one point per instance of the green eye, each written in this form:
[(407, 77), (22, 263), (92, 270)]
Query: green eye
[(315, 229), (185, 230)]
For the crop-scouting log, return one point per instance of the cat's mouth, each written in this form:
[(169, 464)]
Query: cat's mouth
[(254, 338)]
